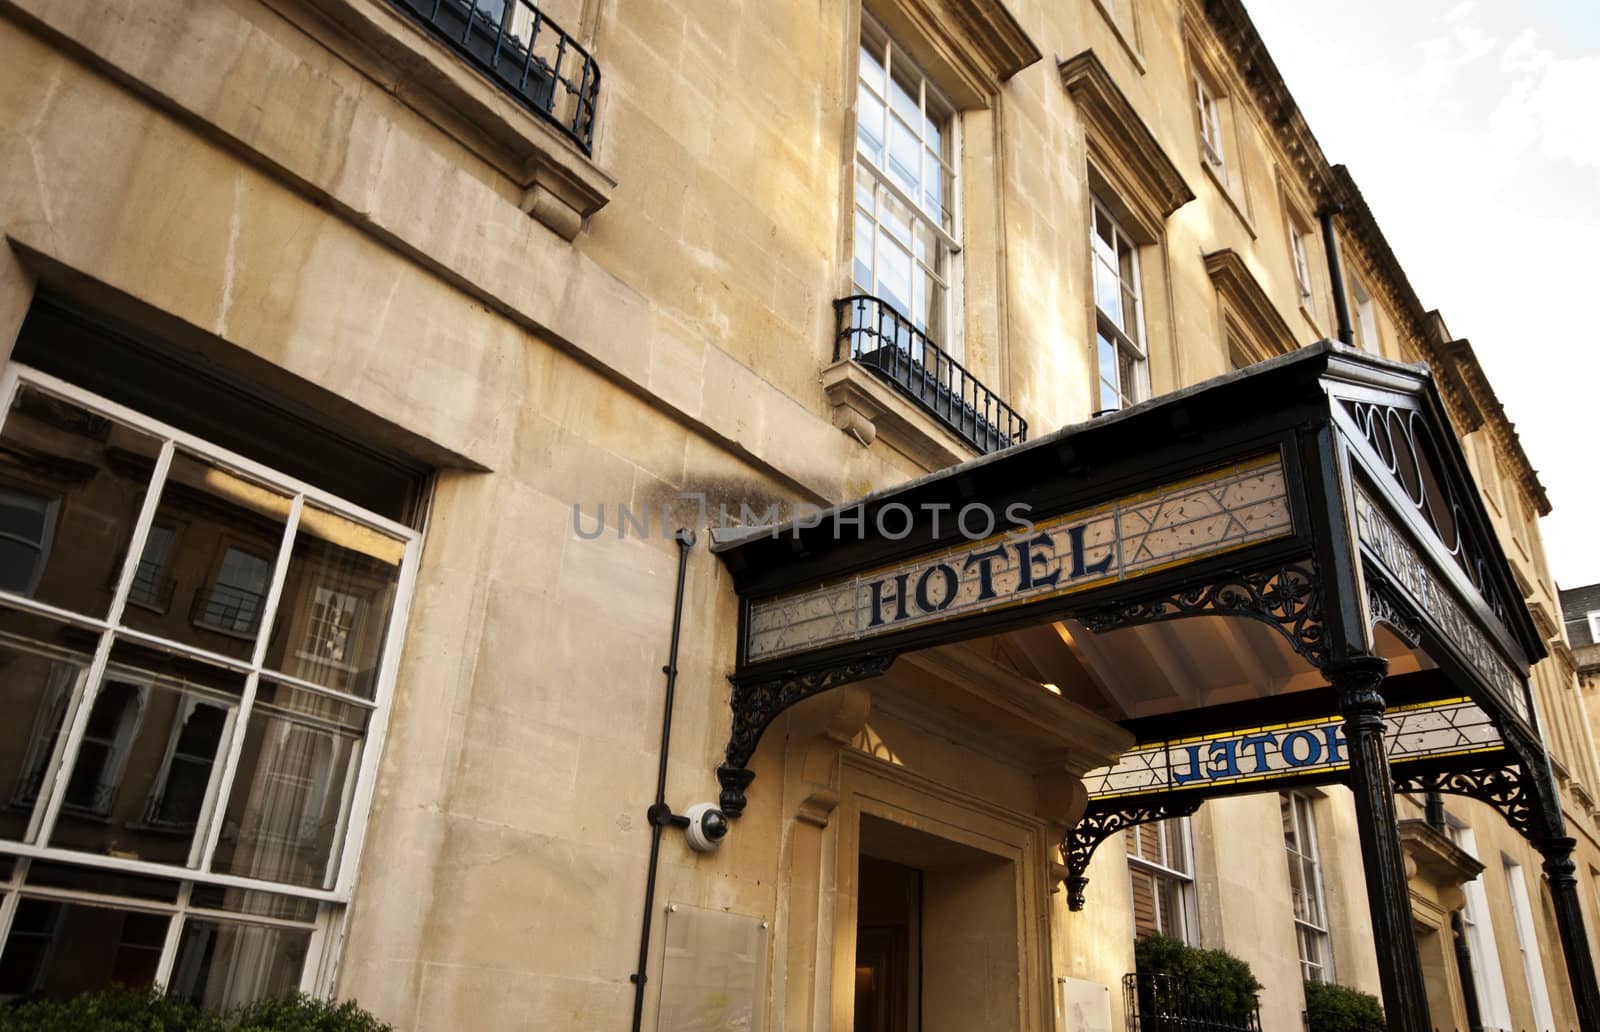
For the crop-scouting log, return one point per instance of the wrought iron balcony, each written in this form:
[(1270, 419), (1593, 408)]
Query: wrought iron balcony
[(1154, 1002), (874, 335), (526, 54)]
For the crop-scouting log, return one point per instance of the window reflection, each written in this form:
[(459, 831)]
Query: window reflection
[(57, 950)]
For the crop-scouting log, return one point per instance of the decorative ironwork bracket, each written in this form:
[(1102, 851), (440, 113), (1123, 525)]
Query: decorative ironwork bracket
[(1507, 788), (1387, 609), (1286, 598), (1100, 822), (755, 705)]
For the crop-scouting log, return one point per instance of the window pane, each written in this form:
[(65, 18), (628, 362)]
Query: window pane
[(337, 599), (41, 664), (1108, 291), (222, 965), (226, 531), (288, 799), (869, 127), (863, 249), (58, 950), (145, 763), (905, 157), (73, 485), (1144, 902), (871, 69)]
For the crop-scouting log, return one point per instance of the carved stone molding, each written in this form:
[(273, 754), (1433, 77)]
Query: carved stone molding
[(972, 46), (756, 703), (1100, 822), (1287, 598), (1117, 130), (819, 760), (1266, 332)]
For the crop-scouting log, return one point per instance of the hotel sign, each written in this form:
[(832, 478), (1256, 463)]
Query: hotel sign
[(1178, 523), (1429, 730)]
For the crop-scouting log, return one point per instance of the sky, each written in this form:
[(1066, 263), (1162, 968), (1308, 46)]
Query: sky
[(1473, 129)]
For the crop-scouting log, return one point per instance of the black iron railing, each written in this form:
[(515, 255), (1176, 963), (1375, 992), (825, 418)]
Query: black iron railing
[(1168, 1003), (873, 334), (526, 54)]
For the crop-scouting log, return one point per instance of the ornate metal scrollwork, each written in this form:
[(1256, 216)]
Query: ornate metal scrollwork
[(1506, 788), (756, 703), (1101, 821), (1288, 598), (1403, 441), (1388, 610)]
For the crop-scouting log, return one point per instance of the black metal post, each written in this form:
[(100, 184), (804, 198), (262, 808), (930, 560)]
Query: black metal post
[(1341, 304), (1405, 994), (1561, 870)]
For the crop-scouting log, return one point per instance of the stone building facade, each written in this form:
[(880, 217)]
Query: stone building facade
[(362, 355)]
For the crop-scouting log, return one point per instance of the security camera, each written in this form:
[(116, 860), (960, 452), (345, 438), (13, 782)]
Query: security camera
[(708, 826)]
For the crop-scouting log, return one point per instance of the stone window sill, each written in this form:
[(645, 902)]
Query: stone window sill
[(867, 409), (559, 185)]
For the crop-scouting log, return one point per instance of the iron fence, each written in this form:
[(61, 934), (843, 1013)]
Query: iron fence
[(529, 56), (1168, 1003), (873, 334)]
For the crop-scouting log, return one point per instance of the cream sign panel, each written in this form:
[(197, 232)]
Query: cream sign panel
[(1131, 537), (1448, 728)]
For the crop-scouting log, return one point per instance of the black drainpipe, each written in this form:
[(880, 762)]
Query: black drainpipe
[(660, 814), (1341, 304), (1458, 929)]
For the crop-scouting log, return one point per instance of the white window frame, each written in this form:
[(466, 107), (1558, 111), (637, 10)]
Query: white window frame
[(1130, 345), (1494, 1008), (1368, 338), (1209, 110), (1162, 870), (333, 897), (1593, 616), (1528, 946), (1300, 257), (943, 325), (1320, 968)]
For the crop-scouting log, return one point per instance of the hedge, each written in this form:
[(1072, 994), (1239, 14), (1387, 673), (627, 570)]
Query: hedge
[(1337, 1008), (149, 1010), (1216, 983)]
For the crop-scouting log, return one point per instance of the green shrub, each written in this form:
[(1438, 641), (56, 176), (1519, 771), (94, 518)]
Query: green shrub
[(1337, 1008), (1215, 983), (148, 1010)]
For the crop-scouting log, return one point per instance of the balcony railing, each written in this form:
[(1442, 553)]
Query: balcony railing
[(874, 335), (526, 54), (1168, 1003)]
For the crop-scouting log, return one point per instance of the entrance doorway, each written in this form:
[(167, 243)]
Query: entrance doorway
[(937, 934)]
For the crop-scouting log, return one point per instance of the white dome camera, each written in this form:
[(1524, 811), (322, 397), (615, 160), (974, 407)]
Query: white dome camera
[(707, 827)]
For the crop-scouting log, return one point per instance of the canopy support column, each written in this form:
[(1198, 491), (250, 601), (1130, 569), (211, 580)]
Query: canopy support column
[(1569, 919), (1405, 993)]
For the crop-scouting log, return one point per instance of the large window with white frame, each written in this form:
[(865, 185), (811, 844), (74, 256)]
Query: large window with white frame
[(1528, 946), (1305, 885), (1366, 321), (1300, 257), (198, 660), (1119, 312), (1161, 870), (1489, 983), (907, 241)]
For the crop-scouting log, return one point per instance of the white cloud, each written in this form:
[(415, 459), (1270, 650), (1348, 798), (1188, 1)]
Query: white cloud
[(1550, 102)]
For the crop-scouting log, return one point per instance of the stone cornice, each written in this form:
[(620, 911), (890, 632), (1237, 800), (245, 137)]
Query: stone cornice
[(1116, 126), (1440, 861), (1271, 95), (979, 42), (1464, 364), (1243, 293)]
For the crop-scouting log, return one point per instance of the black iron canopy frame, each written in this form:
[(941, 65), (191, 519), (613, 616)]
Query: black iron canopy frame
[(1359, 516)]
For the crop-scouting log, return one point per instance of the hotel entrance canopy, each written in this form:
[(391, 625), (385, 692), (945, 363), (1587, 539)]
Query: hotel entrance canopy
[(1280, 576)]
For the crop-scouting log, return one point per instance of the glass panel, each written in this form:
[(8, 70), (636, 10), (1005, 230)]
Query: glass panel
[(252, 902), (151, 587), (869, 127), (337, 599), (144, 767), (871, 69), (71, 486), (863, 249), (58, 950), (8, 864), (226, 531), (905, 157), (1110, 396), (42, 662), (1108, 291), (107, 883), (904, 93), (288, 798), (1171, 907), (222, 965)]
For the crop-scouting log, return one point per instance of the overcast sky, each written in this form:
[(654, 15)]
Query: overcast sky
[(1473, 129)]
